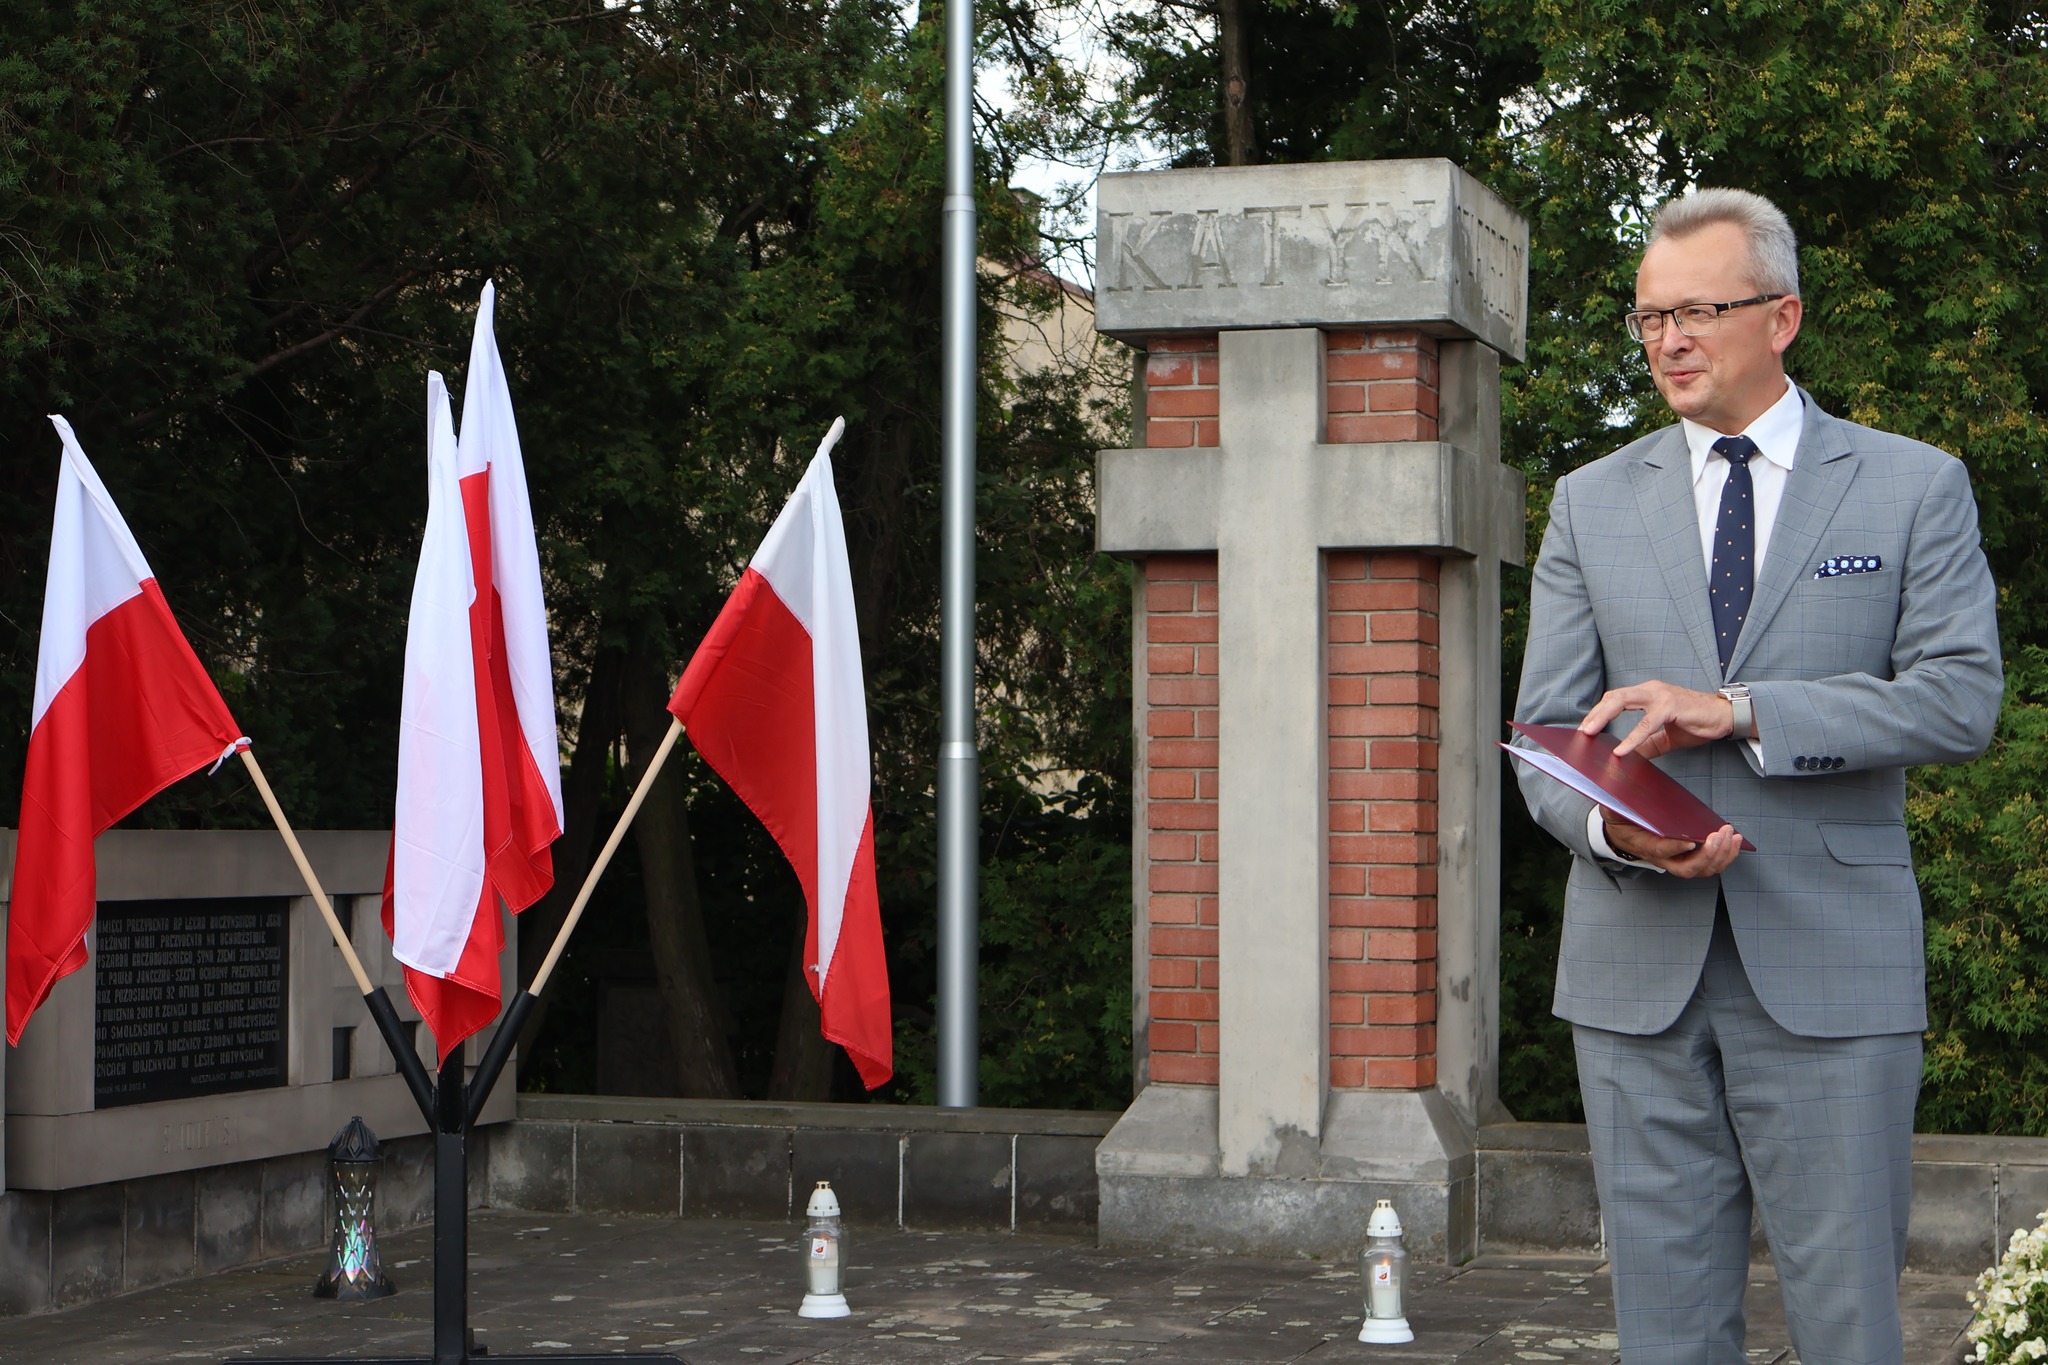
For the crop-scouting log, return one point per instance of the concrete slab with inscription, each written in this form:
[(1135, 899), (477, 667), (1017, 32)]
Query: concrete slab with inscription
[(714, 1291), (215, 1021), (1331, 244)]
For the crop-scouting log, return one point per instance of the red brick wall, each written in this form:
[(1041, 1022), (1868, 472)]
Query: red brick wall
[(1382, 717), (1180, 392), (1179, 675), (1180, 816), (1379, 386), (1383, 697)]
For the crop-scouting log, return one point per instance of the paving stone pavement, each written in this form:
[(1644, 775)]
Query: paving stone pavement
[(725, 1293)]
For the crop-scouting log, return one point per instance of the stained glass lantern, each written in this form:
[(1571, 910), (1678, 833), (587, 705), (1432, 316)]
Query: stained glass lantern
[(354, 1269)]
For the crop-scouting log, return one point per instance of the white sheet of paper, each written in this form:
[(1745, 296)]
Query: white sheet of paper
[(1544, 761)]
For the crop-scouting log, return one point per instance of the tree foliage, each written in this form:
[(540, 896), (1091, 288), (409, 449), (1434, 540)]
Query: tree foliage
[(240, 234), (1980, 844), (1903, 139), (232, 238), (1903, 142), (1329, 79)]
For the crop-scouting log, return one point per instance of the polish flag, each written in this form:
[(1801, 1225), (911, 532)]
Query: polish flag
[(479, 776), (773, 699), (518, 702), (122, 710)]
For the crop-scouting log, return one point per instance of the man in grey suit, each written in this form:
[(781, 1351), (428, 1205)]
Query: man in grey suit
[(1785, 610)]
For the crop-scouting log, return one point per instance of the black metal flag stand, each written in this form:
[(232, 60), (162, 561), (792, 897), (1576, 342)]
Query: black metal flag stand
[(451, 1109)]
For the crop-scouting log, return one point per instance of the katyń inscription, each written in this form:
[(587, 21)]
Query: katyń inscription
[(1419, 243), (189, 998)]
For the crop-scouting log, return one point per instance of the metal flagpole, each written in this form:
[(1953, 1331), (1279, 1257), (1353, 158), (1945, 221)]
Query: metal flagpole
[(959, 783)]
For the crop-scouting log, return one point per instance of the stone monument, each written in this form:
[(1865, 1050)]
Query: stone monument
[(1318, 513), (169, 1108)]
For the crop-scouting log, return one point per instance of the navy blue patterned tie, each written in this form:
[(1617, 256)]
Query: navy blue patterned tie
[(1734, 572)]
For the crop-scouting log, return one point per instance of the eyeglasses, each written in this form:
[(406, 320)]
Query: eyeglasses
[(1693, 319)]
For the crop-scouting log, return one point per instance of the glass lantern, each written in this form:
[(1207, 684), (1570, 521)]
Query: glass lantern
[(1384, 1268), (824, 1257), (355, 1270)]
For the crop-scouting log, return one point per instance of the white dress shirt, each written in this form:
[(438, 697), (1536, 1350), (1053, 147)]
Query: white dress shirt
[(1776, 437)]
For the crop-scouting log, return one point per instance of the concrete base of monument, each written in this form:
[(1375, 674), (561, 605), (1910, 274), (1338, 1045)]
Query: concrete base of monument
[(1162, 1184)]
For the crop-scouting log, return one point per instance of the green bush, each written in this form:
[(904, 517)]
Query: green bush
[(1980, 832)]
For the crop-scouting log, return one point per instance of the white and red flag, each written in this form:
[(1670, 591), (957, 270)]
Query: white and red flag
[(123, 709), (479, 776), (774, 701)]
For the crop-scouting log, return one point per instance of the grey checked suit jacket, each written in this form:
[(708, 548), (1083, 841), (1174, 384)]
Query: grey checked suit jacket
[(1859, 675)]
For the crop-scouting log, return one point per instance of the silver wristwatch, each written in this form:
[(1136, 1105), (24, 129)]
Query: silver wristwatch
[(1745, 714)]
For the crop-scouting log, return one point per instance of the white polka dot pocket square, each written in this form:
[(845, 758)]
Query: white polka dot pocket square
[(1836, 565)]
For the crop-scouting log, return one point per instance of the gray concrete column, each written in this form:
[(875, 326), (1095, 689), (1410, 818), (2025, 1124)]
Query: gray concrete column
[(1468, 809), (1272, 803)]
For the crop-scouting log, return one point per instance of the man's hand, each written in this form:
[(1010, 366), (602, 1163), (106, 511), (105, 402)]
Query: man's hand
[(1673, 718), (1679, 857)]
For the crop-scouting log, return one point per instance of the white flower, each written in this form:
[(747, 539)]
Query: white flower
[(2003, 1296)]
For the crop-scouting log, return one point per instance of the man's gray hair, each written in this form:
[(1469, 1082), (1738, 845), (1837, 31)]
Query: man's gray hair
[(1773, 249)]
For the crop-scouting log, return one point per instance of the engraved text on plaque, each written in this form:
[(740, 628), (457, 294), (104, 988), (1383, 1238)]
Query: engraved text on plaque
[(190, 998)]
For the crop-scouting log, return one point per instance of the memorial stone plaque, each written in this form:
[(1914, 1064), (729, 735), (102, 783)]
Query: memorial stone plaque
[(189, 998)]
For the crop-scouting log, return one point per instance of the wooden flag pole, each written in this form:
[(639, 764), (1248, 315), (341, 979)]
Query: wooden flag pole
[(499, 1053), (291, 841), (611, 846), (374, 997)]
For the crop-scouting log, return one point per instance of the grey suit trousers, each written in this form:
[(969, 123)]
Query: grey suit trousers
[(1684, 1123)]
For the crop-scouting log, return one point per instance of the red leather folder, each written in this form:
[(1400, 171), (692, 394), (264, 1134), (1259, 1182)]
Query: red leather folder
[(1631, 786)]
